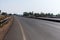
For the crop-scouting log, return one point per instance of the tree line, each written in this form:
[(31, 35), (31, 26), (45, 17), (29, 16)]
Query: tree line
[(5, 13), (32, 14)]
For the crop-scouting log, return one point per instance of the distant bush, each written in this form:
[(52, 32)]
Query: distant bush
[(4, 13), (58, 15), (25, 14), (36, 14)]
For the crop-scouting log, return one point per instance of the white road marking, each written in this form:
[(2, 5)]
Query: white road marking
[(24, 37)]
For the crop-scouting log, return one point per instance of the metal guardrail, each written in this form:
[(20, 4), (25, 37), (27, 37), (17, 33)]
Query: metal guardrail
[(2, 22)]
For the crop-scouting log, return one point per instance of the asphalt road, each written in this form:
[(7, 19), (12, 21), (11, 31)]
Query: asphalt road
[(33, 29)]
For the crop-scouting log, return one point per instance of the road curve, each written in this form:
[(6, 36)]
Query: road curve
[(33, 29)]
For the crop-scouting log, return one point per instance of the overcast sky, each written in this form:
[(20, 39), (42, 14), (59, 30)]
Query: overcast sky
[(19, 6)]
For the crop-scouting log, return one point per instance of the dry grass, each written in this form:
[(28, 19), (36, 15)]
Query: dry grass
[(5, 29), (2, 17)]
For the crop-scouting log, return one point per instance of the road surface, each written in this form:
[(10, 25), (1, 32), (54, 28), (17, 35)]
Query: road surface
[(33, 29)]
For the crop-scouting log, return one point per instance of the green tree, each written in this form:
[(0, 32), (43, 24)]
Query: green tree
[(30, 13), (36, 15), (4, 13), (0, 11), (58, 15), (42, 14), (25, 14), (49, 14)]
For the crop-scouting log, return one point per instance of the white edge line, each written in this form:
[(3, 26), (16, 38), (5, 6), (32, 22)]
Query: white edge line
[(24, 37)]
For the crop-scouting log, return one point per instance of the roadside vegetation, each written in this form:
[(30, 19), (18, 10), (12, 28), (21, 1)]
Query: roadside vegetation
[(6, 21), (3, 18), (32, 14)]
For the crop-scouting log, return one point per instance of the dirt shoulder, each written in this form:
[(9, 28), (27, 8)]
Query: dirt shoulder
[(5, 28)]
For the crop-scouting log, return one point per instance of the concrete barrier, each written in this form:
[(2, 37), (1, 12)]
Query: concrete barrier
[(49, 19), (45, 18)]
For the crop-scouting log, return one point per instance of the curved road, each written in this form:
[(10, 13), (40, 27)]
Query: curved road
[(33, 29)]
